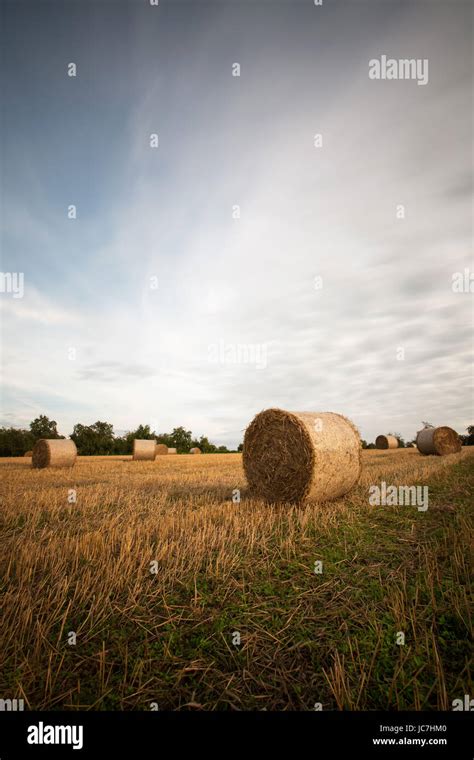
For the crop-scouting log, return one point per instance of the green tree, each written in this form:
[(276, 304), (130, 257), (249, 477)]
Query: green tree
[(43, 427), (121, 445), (468, 440), (92, 440), (142, 433), (165, 438), (15, 442), (181, 440), (205, 445)]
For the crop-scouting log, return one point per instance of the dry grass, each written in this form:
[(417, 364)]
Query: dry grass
[(221, 567)]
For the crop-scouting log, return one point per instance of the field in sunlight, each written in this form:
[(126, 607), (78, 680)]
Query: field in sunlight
[(138, 593)]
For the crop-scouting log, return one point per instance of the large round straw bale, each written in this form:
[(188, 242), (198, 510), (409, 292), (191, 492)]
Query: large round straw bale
[(28, 454), (440, 441), (54, 452), (144, 450), (172, 451), (294, 456), (195, 450), (386, 442), (161, 449)]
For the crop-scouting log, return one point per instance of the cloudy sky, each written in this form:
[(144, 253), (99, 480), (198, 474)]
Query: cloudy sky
[(237, 265)]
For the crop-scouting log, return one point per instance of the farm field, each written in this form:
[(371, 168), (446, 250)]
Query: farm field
[(156, 568)]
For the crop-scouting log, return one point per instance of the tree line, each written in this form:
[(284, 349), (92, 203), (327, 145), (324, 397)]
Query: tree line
[(100, 439)]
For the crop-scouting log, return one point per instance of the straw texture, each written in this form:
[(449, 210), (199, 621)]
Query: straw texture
[(386, 442), (438, 441), (144, 450), (54, 452), (297, 456)]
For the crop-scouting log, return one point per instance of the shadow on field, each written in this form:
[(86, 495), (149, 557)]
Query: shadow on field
[(209, 493), (18, 465), (217, 494)]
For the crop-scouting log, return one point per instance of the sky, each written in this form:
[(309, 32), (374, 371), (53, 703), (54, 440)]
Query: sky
[(243, 263)]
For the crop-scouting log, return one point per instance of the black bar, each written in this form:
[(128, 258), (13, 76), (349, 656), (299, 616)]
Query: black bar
[(148, 734)]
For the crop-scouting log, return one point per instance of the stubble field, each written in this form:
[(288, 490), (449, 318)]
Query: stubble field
[(157, 569)]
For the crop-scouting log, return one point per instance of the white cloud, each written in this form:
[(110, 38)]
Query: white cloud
[(38, 308), (305, 212)]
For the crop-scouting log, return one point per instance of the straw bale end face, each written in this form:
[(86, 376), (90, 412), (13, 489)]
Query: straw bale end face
[(54, 452), (439, 441), (295, 456), (195, 450), (161, 449)]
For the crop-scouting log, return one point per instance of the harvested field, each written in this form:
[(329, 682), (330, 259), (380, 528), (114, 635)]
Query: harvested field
[(156, 568)]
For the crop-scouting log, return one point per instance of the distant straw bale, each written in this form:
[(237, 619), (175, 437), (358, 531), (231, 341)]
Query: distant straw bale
[(439, 441), (386, 442), (144, 450)]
